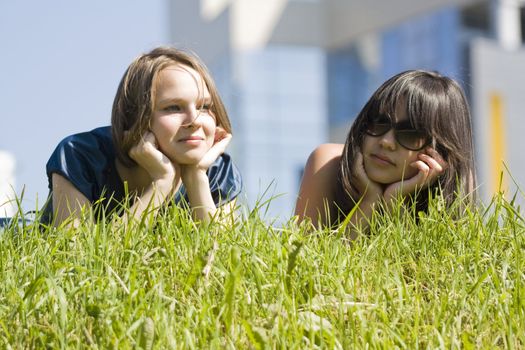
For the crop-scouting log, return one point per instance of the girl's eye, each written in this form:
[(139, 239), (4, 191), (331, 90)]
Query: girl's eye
[(205, 107), (172, 108)]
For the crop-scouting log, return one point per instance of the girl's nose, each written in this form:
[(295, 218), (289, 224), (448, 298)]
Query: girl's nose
[(192, 117), (388, 140)]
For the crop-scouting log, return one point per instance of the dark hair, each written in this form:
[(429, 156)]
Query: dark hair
[(434, 103), (134, 102)]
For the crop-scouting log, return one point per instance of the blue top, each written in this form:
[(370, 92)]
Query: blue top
[(87, 160)]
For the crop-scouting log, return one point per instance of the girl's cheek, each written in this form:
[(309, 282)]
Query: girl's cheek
[(211, 141)]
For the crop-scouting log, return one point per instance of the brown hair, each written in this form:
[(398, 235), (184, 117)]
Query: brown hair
[(135, 98), (436, 104)]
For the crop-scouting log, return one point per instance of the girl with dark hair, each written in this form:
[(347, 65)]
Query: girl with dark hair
[(412, 138), (169, 130)]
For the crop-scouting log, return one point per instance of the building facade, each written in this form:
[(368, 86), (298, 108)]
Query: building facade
[(294, 74)]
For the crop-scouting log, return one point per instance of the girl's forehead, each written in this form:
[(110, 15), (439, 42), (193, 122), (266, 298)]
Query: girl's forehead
[(180, 70), (396, 109), (400, 113), (180, 77), (180, 67)]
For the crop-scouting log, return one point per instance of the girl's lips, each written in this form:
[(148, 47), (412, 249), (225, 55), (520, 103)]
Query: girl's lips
[(191, 139), (382, 159)]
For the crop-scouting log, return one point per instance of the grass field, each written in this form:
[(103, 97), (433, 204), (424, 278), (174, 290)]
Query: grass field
[(441, 283)]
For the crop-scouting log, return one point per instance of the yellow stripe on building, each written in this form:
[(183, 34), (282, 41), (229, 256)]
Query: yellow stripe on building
[(497, 144)]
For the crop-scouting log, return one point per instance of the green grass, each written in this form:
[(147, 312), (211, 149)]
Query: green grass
[(441, 283)]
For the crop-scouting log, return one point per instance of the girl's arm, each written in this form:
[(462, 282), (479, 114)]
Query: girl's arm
[(371, 196), (316, 194), (67, 201), (163, 177), (315, 199), (430, 165), (197, 183), (151, 199)]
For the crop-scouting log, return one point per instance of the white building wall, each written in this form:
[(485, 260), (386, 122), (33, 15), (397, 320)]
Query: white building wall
[(7, 184), (269, 62), (281, 101), (498, 72), (274, 94)]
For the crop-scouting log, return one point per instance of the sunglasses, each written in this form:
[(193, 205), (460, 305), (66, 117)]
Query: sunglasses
[(404, 133)]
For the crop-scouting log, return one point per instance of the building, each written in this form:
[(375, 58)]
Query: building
[(7, 184), (295, 73)]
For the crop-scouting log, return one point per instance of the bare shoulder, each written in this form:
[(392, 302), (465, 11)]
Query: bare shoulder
[(325, 155), (317, 185)]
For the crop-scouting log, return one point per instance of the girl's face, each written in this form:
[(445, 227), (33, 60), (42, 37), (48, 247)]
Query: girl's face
[(182, 121), (385, 160)]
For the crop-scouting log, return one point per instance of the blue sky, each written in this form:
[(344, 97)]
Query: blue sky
[(60, 64)]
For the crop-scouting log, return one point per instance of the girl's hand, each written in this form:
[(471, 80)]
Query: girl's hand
[(430, 165), (196, 180), (222, 139), (366, 187), (148, 156)]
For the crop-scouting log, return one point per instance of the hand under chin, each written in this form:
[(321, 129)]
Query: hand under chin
[(189, 158)]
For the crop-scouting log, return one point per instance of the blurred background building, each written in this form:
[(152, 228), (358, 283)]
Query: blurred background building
[(7, 184), (294, 74)]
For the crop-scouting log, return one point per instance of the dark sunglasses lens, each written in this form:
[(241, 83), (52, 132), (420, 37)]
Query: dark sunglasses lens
[(378, 126), (412, 139)]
